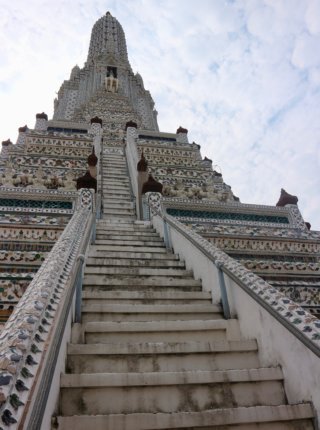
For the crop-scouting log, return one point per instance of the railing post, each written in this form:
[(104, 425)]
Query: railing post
[(79, 280), (145, 210), (166, 234), (223, 291), (94, 229)]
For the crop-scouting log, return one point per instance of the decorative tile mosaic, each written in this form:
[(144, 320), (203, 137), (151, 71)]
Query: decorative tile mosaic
[(14, 203), (180, 213)]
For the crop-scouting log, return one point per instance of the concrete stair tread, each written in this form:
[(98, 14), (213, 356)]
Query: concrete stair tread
[(114, 176), (123, 211), (107, 184), (110, 199), (127, 248), (140, 281), (171, 378), (120, 216), (112, 190), (129, 263), (125, 230), (147, 295), (96, 253), (134, 223), (109, 194), (213, 418), (125, 205), (137, 271), (141, 308), (157, 326), (115, 180), (126, 233), (120, 241), (143, 236), (151, 348)]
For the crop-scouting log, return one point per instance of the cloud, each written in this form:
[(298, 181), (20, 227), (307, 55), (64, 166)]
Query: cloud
[(306, 52)]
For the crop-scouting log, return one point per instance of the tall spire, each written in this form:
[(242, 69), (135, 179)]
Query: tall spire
[(106, 83), (107, 39)]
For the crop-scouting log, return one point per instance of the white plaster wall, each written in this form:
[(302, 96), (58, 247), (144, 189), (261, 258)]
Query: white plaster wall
[(277, 345)]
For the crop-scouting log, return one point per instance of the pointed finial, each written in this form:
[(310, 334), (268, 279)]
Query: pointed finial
[(286, 199), (142, 165)]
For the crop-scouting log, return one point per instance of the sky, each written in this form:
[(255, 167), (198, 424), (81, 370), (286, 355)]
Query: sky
[(243, 76)]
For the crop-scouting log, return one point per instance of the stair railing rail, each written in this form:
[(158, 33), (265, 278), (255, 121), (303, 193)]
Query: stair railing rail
[(294, 318), (132, 158), (33, 341), (99, 197)]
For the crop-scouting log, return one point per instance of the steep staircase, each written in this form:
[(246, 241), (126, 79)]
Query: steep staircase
[(154, 352)]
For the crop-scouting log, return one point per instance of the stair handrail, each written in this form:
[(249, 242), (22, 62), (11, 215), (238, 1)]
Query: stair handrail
[(293, 317), (132, 158), (31, 339), (99, 194)]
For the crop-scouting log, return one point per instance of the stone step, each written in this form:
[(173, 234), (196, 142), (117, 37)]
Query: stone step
[(149, 297), (118, 212), (148, 312), (127, 248), (127, 202), (146, 256), (155, 242), (115, 171), (117, 197), (108, 197), (133, 262), (110, 185), (168, 392), (116, 158), (158, 331), (131, 226), (118, 168), (126, 234), (284, 417), (115, 162), (138, 271), (162, 356), (112, 197), (140, 282), (115, 175), (115, 222), (115, 180), (121, 217), (119, 204), (113, 191), (115, 187)]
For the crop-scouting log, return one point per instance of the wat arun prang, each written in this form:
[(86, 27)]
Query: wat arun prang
[(39, 174)]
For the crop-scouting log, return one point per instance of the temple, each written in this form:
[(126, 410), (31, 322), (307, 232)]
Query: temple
[(137, 291)]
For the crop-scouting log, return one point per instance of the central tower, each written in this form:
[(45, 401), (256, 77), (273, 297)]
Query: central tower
[(106, 86)]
